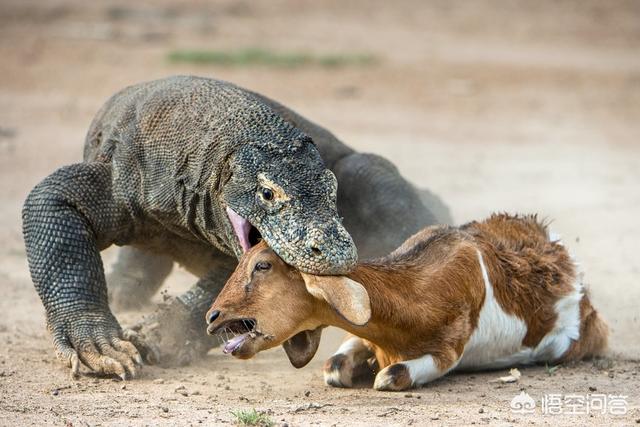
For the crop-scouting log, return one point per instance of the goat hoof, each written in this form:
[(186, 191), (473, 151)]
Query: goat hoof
[(338, 371), (395, 377)]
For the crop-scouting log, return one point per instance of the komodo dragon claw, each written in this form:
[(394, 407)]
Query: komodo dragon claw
[(102, 346)]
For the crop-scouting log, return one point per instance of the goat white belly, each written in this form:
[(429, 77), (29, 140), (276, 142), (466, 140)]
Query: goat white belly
[(497, 340)]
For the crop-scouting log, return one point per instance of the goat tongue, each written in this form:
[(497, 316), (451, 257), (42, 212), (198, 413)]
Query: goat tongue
[(234, 343)]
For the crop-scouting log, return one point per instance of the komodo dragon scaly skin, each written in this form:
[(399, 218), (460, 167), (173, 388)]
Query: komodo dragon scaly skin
[(195, 170)]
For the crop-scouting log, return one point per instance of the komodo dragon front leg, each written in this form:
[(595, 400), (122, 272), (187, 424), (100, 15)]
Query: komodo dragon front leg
[(68, 218)]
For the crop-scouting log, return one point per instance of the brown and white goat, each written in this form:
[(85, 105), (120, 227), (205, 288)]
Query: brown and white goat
[(484, 295)]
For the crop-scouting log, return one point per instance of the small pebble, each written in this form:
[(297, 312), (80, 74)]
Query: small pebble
[(307, 393), (592, 388), (164, 409), (481, 411), (158, 381)]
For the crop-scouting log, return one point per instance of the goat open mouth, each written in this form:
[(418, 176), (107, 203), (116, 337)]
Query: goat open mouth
[(234, 333), (245, 232)]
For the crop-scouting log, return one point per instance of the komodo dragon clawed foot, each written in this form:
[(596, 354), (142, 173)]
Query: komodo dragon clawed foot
[(102, 346)]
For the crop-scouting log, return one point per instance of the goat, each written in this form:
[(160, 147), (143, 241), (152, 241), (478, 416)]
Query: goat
[(485, 295)]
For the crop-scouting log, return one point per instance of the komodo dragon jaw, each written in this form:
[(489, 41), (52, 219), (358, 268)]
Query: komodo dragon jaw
[(318, 246)]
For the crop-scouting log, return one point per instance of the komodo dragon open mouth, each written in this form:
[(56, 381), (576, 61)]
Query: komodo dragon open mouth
[(246, 233)]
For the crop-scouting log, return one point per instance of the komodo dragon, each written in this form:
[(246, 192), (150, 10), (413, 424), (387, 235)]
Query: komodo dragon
[(196, 170)]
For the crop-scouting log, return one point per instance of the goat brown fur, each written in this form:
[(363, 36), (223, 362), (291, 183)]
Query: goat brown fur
[(484, 295)]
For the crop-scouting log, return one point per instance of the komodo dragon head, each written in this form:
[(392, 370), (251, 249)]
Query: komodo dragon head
[(284, 194)]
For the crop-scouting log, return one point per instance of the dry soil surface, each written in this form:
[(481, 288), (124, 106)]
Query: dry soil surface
[(497, 106)]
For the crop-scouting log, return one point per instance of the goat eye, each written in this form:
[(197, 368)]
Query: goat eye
[(262, 266), (267, 194)]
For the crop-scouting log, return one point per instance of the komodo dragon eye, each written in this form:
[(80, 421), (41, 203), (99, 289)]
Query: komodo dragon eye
[(267, 193)]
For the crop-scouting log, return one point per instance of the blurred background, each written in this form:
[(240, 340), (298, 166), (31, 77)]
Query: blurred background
[(519, 106)]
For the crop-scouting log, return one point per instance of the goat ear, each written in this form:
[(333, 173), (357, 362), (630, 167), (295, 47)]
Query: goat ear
[(346, 296)]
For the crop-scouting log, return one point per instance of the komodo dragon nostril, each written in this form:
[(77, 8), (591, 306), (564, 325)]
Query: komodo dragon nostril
[(314, 242)]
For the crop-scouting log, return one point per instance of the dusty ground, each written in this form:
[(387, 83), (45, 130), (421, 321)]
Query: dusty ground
[(518, 106)]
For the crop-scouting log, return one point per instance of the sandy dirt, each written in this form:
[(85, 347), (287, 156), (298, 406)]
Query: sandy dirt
[(515, 105)]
